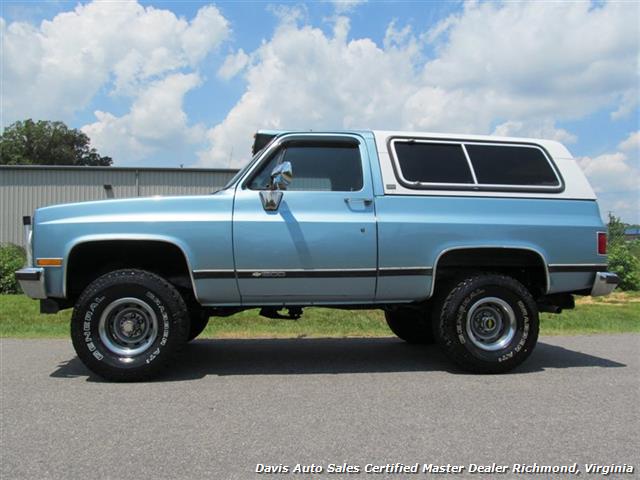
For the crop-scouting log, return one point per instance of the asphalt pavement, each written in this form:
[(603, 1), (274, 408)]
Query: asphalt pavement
[(230, 405)]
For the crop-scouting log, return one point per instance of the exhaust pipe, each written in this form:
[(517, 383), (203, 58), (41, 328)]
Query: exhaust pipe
[(26, 223)]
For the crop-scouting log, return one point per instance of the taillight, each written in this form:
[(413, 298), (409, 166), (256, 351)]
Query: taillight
[(602, 243)]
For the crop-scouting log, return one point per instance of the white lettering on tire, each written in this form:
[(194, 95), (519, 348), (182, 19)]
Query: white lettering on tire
[(86, 327)]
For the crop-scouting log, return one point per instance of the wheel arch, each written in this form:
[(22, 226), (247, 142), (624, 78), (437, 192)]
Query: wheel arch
[(500, 250), (112, 240)]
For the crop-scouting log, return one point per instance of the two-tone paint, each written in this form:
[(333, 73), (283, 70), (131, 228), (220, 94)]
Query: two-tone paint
[(381, 244)]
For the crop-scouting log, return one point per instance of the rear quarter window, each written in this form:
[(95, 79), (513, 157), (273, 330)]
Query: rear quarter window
[(511, 165), (436, 164), (433, 163)]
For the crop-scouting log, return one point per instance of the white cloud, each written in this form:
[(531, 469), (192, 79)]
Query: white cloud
[(289, 13), (538, 49), (631, 143), (511, 68), (156, 122), (528, 64), (615, 177), (628, 103), (55, 69), (303, 78), (233, 65), (346, 6), (516, 68), (545, 129), (611, 170), (206, 31)]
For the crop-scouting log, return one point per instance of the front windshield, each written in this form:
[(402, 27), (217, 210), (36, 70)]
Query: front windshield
[(241, 172)]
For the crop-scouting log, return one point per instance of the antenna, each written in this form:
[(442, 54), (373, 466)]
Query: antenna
[(230, 157)]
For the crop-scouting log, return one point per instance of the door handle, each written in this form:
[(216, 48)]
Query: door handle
[(366, 201)]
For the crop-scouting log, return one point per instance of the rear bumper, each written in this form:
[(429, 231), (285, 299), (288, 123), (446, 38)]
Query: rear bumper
[(32, 282), (604, 283)]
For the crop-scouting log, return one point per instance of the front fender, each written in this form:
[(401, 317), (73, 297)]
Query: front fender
[(73, 243)]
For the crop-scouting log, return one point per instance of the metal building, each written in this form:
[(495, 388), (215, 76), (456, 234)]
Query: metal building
[(25, 188)]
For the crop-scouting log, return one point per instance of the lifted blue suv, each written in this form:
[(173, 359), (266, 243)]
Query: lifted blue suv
[(460, 239)]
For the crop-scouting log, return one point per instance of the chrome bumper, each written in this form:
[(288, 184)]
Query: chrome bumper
[(604, 283), (32, 282)]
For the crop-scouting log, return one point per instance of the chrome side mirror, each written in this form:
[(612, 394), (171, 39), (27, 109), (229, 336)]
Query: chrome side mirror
[(281, 176), (270, 199)]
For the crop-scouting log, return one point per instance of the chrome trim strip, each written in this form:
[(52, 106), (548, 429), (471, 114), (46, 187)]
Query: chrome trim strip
[(499, 247), (308, 273), (312, 273), (203, 274), (307, 270), (576, 267), (404, 271), (473, 170), (403, 268)]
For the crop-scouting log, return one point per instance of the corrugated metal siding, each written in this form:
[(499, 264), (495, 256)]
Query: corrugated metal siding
[(158, 182), (22, 190)]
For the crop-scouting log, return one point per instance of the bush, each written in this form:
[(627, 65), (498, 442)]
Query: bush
[(623, 262), (12, 258)]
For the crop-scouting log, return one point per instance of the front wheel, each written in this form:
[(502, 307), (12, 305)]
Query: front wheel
[(411, 325), (487, 323), (128, 324)]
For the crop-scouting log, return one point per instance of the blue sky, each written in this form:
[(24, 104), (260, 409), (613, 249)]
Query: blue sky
[(170, 83)]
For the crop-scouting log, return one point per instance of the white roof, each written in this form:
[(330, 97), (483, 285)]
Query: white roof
[(576, 184), (555, 149)]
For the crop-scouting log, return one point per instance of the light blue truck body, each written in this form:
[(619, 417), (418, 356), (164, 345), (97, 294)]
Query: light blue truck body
[(367, 247)]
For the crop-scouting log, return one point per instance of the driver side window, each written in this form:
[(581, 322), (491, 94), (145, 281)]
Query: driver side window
[(316, 167)]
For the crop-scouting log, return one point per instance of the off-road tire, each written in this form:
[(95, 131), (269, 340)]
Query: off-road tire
[(453, 320), (199, 320), (411, 325), (164, 303)]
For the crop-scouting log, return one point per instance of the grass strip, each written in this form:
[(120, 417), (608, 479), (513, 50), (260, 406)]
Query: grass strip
[(620, 312)]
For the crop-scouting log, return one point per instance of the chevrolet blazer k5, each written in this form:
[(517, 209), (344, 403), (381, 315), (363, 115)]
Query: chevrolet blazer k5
[(460, 239)]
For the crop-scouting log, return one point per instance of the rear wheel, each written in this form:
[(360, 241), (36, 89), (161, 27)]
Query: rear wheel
[(199, 320), (487, 323), (411, 325), (128, 324)]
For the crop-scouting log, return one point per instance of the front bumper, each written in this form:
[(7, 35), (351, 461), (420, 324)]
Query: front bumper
[(604, 283), (32, 282)]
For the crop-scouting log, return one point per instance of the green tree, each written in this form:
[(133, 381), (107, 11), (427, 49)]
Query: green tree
[(47, 143), (12, 258), (626, 265), (622, 257), (616, 230)]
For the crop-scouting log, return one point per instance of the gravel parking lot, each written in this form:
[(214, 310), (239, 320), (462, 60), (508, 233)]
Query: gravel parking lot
[(232, 404)]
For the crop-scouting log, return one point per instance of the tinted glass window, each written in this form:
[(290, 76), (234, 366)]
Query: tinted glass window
[(510, 165), (316, 167), (433, 162)]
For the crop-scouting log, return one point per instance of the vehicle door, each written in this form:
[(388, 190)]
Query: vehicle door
[(319, 244)]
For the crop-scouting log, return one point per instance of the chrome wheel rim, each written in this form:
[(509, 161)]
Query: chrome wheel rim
[(128, 326), (491, 324)]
